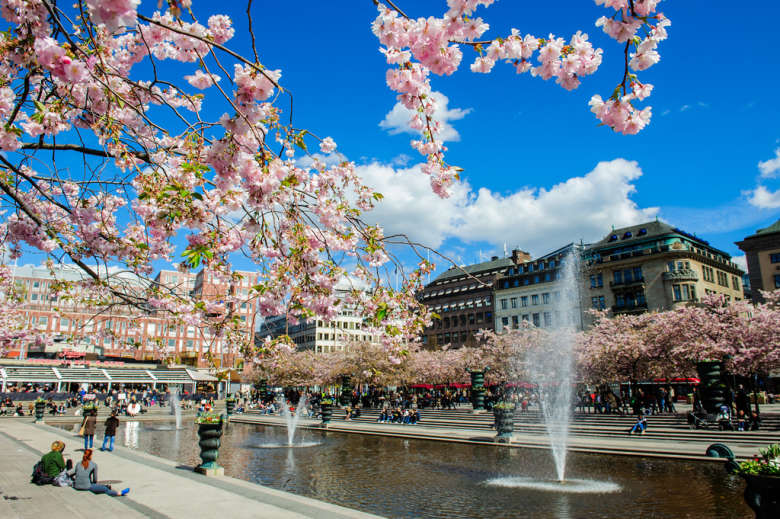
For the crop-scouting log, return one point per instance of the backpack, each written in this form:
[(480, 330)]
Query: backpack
[(39, 476)]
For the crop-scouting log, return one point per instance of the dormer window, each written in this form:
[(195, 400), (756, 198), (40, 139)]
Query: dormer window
[(627, 235), (642, 232), (613, 237)]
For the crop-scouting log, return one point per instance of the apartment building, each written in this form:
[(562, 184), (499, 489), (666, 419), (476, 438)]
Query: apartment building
[(762, 251), (462, 297), (535, 291), (317, 334), (654, 266), (121, 332)]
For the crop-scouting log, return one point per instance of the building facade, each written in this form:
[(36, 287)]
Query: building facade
[(534, 291), (462, 298), (119, 333), (654, 267), (762, 251)]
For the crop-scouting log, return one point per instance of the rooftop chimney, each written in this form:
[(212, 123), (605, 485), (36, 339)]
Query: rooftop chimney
[(520, 256)]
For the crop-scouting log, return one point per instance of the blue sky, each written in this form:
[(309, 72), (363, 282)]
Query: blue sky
[(538, 171), (715, 117)]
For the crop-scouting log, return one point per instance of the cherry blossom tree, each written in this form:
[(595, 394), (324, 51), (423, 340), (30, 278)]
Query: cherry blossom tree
[(109, 157)]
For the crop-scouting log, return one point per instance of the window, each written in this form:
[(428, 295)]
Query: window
[(547, 276), (774, 258), (535, 299), (708, 274), (536, 279), (536, 320), (524, 301), (638, 273), (504, 321), (620, 300), (34, 297), (777, 280), (515, 322), (547, 319), (503, 304), (594, 302), (64, 324), (677, 292), (546, 298), (514, 302), (471, 318), (618, 277), (36, 284), (735, 282), (628, 276), (525, 317), (596, 281)]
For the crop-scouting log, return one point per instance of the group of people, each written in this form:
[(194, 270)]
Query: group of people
[(399, 415), (54, 469), (89, 425)]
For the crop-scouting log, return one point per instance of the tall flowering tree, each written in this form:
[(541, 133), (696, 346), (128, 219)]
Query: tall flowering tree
[(111, 159)]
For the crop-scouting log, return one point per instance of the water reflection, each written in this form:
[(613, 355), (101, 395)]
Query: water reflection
[(402, 478)]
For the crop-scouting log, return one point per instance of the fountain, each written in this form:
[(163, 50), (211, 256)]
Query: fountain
[(176, 407), (551, 367), (292, 420)]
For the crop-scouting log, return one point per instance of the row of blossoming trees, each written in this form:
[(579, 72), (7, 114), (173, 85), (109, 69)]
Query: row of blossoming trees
[(131, 140), (617, 348)]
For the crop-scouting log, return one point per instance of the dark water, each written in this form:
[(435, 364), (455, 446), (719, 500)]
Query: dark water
[(401, 478)]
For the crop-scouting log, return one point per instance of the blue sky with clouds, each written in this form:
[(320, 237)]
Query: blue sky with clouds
[(538, 171)]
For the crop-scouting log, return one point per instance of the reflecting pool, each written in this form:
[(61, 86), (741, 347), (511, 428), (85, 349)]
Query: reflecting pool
[(399, 478)]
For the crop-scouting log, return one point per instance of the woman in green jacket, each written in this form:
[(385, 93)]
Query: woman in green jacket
[(53, 462)]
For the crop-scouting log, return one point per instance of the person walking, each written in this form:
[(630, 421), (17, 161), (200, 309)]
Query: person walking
[(112, 422), (89, 425), (85, 477)]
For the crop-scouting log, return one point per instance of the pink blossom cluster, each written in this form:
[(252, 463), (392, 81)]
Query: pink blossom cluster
[(624, 25), (113, 14), (55, 59)]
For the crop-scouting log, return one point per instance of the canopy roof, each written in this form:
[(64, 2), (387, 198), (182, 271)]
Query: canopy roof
[(51, 374)]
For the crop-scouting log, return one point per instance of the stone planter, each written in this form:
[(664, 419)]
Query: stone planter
[(346, 391), (712, 390), (505, 424), (478, 389), (327, 413), (40, 408), (230, 405), (762, 494), (209, 434)]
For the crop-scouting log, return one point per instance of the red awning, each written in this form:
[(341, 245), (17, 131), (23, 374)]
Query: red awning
[(679, 380), (422, 386)]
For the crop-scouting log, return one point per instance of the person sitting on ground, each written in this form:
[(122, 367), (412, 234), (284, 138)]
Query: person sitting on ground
[(640, 425), (112, 422), (348, 413), (53, 461), (741, 420), (86, 477), (383, 415)]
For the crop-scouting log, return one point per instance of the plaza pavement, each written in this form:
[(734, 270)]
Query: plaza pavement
[(159, 488)]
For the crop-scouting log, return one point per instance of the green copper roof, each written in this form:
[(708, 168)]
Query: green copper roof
[(775, 227)]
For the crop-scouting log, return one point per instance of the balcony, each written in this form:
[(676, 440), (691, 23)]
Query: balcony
[(627, 284), (681, 275), (628, 309)]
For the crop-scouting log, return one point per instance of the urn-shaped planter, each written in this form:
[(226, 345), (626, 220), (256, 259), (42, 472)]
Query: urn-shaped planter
[(711, 389), (505, 423), (478, 388), (40, 408), (346, 391), (762, 494), (209, 434), (326, 409), (230, 405)]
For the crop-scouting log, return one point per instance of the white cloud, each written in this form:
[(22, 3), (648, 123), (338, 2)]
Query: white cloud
[(741, 261), (397, 120), (770, 168), (684, 107), (763, 198), (535, 219)]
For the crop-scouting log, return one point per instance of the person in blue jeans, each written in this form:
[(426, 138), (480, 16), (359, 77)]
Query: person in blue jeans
[(112, 422), (640, 425), (89, 424), (85, 477)]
